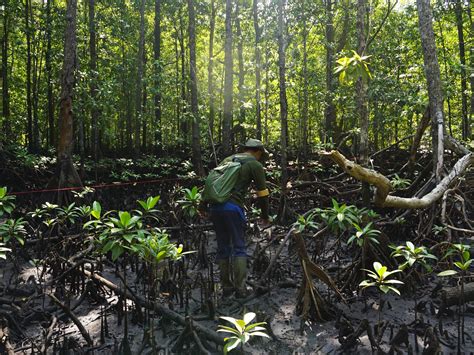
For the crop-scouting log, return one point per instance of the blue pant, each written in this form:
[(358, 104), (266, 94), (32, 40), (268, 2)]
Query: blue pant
[(229, 227)]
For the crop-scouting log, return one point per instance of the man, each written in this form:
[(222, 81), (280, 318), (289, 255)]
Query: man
[(229, 220)]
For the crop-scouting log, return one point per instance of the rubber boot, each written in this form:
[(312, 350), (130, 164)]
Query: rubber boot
[(240, 276), (227, 286)]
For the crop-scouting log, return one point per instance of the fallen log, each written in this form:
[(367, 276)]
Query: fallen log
[(164, 311), (452, 296), (383, 185)]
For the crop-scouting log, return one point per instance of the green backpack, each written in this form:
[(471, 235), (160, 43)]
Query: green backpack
[(221, 181)]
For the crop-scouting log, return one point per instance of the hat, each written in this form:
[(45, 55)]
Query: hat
[(257, 144)]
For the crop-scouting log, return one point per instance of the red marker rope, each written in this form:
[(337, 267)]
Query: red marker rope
[(99, 186)]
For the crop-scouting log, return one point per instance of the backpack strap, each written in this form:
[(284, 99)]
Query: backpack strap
[(243, 159)]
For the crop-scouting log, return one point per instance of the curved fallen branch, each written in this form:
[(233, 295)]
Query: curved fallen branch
[(383, 185)]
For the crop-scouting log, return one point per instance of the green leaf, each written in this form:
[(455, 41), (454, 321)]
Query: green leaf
[(232, 344), (261, 334), (117, 250), (448, 273), (248, 317)]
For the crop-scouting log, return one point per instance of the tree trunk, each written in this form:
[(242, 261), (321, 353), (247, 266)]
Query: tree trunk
[(93, 81), (184, 100), (139, 85), (330, 109), (362, 97), (258, 63), (240, 86), (227, 147), (158, 137), (49, 74), (210, 69), (425, 18), (196, 143), (5, 80), (304, 114), (36, 81), (283, 105), (462, 58), (471, 62), (67, 173), (29, 114)]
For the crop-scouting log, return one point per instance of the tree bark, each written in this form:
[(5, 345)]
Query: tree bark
[(210, 70), (93, 81), (29, 112), (462, 59), (258, 63), (184, 100), (362, 96), (450, 296), (240, 86), (283, 105), (330, 109), (383, 185), (158, 136), (67, 173), (49, 74), (139, 84), (304, 113), (471, 77), (5, 79), (430, 57), (227, 147), (196, 143)]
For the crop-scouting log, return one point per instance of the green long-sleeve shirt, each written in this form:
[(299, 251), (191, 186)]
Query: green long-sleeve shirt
[(251, 171)]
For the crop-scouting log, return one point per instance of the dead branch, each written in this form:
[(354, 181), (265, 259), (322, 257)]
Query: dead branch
[(383, 186), (73, 317), (49, 334), (164, 311)]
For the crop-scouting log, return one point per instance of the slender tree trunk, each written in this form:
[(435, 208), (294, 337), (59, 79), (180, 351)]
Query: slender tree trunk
[(330, 108), (362, 97), (462, 58), (447, 74), (144, 101), (139, 84), (93, 81), (227, 147), (471, 62), (36, 79), (178, 85), (196, 143), (29, 111), (184, 96), (304, 113), (258, 63), (49, 74), (67, 173), (283, 104), (210, 70), (425, 18), (157, 65), (240, 85), (5, 79)]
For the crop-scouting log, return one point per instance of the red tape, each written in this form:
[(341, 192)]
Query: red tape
[(100, 186)]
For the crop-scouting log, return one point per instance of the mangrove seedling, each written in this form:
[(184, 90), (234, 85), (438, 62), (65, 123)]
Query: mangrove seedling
[(463, 264), (242, 331), (380, 279)]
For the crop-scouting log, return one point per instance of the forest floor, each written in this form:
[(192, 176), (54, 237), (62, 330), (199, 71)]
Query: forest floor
[(35, 324)]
